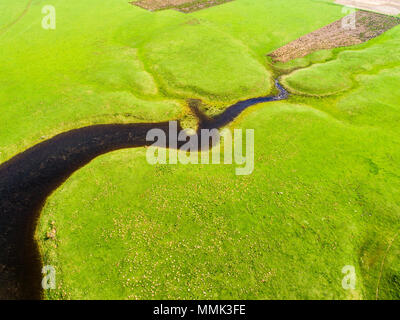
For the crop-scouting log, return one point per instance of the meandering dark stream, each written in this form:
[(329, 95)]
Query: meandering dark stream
[(29, 178)]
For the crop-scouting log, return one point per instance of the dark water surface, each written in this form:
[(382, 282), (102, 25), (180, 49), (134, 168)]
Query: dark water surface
[(29, 178)]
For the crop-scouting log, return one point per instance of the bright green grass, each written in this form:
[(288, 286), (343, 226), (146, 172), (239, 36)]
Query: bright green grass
[(266, 25), (114, 62), (323, 195), (324, 192), (76, 75), (340, 73), (9, 14), (231, 72), (315, 57)]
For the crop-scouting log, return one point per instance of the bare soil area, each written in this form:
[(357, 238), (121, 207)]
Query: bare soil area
[(383, 6), (341, 33), (180, 5)]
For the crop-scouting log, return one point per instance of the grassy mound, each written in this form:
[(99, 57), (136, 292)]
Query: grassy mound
[(339, 74), (323, 194), (231, 73), (110, 61), (318, 190)]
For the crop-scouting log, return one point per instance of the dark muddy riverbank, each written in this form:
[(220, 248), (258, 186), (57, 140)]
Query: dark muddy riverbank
[(30, 177)]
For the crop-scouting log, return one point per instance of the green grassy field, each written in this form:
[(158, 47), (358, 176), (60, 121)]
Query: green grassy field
[(114, 62), (325, 189), (323, 195)]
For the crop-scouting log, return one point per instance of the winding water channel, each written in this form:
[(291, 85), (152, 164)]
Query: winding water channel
[(29, 178)]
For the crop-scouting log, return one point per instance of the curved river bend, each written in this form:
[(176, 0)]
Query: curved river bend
[(29, 178)]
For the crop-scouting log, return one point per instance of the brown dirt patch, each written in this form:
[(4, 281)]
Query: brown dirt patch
[(368, 25), (180, 5)]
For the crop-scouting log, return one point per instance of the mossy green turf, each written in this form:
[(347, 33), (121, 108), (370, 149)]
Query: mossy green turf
[(324, 193), (338, 74), (115, 62), (359, 84)]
